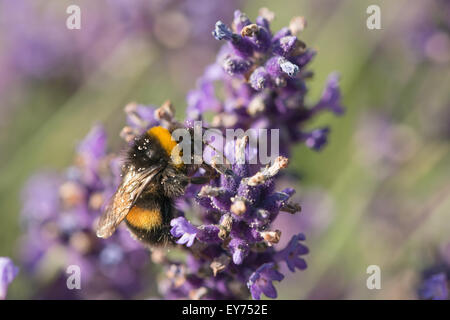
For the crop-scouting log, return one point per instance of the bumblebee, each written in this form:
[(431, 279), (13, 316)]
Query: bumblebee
[(151, 179)]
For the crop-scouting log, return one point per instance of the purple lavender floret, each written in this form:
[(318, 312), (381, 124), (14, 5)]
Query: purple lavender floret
[(222, 32), (261, 281), (331, 96), (291, 254), (8, 271), (181, 228), (262, 82)]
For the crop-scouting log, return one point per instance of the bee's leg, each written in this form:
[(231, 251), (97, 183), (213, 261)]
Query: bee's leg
[(174, 185), (210, 171), (210, 174), (200, 180)]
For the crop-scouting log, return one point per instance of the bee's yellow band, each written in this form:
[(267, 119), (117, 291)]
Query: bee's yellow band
[(167, 143), (144, 219)]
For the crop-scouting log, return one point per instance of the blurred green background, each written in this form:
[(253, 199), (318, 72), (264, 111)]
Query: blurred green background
[(390, 205)]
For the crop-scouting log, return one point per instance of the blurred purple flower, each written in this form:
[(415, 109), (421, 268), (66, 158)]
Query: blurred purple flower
[(384, 144), (317, 138), (331, 96), (8, 271), (90, 153), (37, 48), (428, 33), (40, 196), (58, 215), (93, 147), (435, 282), (435, 288)]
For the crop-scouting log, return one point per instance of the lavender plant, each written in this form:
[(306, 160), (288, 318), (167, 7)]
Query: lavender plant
[(224, 227)]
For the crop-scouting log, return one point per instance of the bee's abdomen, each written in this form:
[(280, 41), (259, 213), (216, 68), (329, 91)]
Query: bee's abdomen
[(143, 218), (149, 219)]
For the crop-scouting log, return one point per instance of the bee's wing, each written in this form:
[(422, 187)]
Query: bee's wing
[(125, 197)]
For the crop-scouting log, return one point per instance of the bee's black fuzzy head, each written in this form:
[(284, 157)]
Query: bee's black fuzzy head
[(146, 152)]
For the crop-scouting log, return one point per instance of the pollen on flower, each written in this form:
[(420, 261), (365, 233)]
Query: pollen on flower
[(238, 207), (269, 172), (249, 30), (271, 237)]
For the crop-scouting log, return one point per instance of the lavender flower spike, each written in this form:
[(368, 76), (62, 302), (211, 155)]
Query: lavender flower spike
[(262, 76), (238, 209), (8, 271)]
